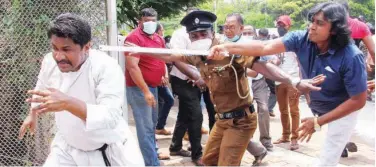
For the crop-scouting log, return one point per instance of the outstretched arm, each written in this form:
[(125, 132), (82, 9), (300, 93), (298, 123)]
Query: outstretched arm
[(254, 48)]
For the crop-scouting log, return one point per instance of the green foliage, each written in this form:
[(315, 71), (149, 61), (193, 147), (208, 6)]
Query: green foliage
[(128, 10), (263, 13)]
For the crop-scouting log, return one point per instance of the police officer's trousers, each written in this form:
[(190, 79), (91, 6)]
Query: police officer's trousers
[(228, 140)]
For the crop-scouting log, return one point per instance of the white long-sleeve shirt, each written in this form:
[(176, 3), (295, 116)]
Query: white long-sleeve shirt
[(100, 84), (180, 40)]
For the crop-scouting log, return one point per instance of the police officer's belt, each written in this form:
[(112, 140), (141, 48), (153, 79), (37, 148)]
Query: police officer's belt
[(240, 113)]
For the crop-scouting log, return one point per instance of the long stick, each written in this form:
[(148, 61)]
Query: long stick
[(153, 50)]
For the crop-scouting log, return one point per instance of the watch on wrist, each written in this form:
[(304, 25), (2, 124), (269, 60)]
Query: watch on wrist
[(316, 124)]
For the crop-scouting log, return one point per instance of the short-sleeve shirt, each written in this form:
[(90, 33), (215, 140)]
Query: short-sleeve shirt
[(344, 70), (222, 85), (359, 30), (152, 69)]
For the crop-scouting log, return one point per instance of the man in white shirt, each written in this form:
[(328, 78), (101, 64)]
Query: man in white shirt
[(85, 90)]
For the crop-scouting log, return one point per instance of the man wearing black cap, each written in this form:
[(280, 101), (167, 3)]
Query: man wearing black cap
[(228, 85)]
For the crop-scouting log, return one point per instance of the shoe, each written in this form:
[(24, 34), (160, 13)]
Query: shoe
[(271, 114), (162, 132), (186, 137), (351, 147), (258, 159), (182, 152), (281, 140), (268, 146), (294, 145), (198, 162), (344, 153), (204, 131), (162, 156)]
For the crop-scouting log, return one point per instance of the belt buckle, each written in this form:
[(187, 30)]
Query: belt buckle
[(228, 115)]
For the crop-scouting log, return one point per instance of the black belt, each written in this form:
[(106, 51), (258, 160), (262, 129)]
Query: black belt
[(235, 113), (103, 150)]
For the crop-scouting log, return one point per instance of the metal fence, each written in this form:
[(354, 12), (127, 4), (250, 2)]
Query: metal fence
[(23, 43)]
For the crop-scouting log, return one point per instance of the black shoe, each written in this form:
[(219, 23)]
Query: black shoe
[(351, 147), (183, 153), (344, 153), (258, 159)]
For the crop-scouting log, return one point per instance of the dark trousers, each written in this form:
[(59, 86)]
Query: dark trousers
[(165, 102), (189, 116), (209, 108)]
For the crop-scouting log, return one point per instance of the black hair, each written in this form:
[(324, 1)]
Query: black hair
[(334, 13), (148, 12), (167, 38), (71, 26), (345, 4), (238, 16), (264, 32)]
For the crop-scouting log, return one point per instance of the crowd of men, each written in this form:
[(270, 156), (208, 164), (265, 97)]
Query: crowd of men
[(85, 88)]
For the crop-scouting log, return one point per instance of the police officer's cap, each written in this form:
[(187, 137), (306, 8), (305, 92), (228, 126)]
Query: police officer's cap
[(198, 20)]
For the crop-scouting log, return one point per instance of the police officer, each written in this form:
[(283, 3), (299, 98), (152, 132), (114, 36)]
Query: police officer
[(229, 91)]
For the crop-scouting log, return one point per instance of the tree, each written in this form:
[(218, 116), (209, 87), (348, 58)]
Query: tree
[(128, 10)]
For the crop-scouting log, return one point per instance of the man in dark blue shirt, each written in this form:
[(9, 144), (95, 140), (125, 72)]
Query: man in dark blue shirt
[(325, 48)]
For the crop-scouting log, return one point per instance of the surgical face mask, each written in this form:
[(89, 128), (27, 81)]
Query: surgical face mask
[(149, 27), (248, 37), (281, 31), (233, 39), (202, 44)]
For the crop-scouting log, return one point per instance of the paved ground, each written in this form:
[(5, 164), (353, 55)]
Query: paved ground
[(364, 136)]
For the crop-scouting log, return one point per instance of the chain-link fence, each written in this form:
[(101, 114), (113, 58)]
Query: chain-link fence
[(23, 42)]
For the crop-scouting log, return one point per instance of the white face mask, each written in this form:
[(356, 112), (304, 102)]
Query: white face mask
[(149, 27), (202, 44), (248, 37)]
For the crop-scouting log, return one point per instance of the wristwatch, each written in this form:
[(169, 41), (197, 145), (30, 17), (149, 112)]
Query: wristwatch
[(295, 81), (316, 124)]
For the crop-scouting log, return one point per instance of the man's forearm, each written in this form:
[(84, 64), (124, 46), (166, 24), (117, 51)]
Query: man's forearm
[(187, 70), (351, 105), (77, 108), (138, 79), (272, 72)]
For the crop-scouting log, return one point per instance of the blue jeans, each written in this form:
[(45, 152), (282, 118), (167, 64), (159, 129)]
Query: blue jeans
[(146, 120), (165, 102)]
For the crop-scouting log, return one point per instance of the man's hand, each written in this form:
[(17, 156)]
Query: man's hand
[(29, 123), (150, 100), (200, 83), (306, 129), (307, 85), (371, 86), (164, 81), (51, 101), (218, 52)]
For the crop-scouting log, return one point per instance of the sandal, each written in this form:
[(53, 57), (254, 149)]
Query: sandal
[(162, 156), (294, 145), (281, 140)]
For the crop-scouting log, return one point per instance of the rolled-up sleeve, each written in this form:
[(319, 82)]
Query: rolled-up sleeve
[(354, 75), (109, 92), (293, 40)]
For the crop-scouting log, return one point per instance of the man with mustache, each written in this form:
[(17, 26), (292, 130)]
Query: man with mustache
[(325, 48), (84, 88)]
